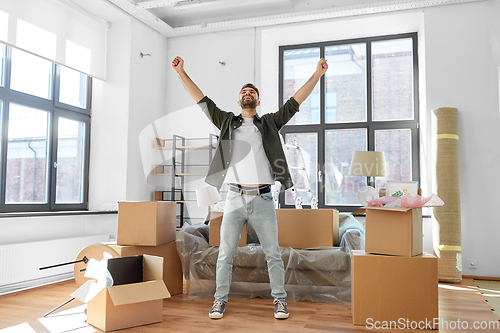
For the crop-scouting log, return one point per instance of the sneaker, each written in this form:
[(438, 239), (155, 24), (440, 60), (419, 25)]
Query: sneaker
[(217, 310), (280, 310)]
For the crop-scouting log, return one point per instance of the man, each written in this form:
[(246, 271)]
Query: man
[(249, 157)]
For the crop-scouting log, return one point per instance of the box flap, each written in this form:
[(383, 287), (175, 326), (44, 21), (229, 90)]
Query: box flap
[(113, 244), (126, 270), (394, 209), (153, 268), (426, 255), (138, 292), (88, 291), (360, 253)]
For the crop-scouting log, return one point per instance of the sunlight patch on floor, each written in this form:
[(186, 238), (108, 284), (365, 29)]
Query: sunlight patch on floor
[(72, 320), (446, 286), (21, 328), (491, 292)]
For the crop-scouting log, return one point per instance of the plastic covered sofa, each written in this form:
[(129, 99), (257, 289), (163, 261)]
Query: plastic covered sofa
[(319, 274)]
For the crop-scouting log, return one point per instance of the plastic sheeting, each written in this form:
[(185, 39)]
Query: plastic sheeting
[(320, 274)]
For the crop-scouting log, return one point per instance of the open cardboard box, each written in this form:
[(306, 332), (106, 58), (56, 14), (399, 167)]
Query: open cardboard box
[(394, 231), (172, 267), (128, 304)]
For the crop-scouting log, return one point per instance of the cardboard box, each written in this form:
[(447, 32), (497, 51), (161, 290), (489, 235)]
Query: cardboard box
[(297, 228), (172, 267), (397, 291), (214, 234), (147, 223), (307, 228), (394, 231), (129, 305)]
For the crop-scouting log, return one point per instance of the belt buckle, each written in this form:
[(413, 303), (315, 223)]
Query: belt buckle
[(251, 192)]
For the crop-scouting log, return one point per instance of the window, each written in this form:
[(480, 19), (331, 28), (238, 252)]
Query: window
[(45, 114), (367, 100)]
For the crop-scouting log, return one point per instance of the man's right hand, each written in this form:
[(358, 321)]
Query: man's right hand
[(178, 64), (191, 87)]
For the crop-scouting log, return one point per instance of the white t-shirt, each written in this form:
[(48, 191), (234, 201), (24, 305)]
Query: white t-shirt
[(249, 163)]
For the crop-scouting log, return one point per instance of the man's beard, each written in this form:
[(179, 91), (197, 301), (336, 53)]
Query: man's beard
[(252, 104)]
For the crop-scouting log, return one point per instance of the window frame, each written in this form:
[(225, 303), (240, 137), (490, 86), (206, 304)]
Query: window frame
[(55, 109), (370, 125)]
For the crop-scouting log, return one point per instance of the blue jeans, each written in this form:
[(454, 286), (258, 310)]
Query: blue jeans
[(259, 211)]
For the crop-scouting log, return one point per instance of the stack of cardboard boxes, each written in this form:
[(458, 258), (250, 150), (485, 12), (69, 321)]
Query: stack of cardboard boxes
[(393, 284), (146, 244), (150, 228)]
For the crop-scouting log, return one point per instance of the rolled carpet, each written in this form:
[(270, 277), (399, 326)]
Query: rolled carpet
[(446, 221)]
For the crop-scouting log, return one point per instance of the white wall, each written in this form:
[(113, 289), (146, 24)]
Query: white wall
[(202, 54), (462, 57), (459, 56), (109, 123), (147, 98), (132, 97), (124, 106)]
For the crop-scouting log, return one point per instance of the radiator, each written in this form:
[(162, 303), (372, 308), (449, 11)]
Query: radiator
[(20, 263)]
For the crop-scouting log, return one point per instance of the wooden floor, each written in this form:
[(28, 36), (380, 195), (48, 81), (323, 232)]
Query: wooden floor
[(23, 312)]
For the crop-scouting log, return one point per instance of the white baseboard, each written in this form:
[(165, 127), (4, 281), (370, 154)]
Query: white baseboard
[(24, 285)]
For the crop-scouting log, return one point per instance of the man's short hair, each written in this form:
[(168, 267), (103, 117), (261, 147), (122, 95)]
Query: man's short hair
[(250, 85)]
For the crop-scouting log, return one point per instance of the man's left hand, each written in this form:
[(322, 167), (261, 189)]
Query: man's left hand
[(322, 66)]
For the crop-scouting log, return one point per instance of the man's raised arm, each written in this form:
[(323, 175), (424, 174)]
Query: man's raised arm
[(191, 87), (301, 94)]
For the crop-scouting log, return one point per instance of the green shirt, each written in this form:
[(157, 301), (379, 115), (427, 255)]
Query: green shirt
[(268, 125)]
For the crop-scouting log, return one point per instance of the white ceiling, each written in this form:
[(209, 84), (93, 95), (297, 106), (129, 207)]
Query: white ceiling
[(183, 17), (201, 12)]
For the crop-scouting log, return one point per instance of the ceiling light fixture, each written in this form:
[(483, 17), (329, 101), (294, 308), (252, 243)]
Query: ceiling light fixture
[(155, 3), (185, 4)]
